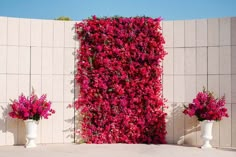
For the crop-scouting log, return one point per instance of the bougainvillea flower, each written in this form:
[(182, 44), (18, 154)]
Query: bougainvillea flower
[(119, 75), (206, 107), (31, 108)]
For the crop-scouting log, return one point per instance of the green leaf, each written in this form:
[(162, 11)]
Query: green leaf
[(36, 117), (90, 62)]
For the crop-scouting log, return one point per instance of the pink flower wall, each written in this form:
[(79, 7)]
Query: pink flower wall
[(119, 74)]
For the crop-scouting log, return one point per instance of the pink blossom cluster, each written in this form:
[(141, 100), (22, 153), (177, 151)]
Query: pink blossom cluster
[(119, 74), (206, 107), (31, 108)]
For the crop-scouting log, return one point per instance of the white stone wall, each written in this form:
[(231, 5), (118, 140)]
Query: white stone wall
[(201, 53), (40, 54)]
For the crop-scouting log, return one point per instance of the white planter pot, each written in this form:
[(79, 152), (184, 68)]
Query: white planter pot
[(206, 133), (31, 133)]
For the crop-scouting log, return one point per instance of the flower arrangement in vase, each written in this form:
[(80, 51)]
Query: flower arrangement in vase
[(31, 109), (207, 109)]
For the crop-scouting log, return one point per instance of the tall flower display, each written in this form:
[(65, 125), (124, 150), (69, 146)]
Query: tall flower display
[(119, 74)]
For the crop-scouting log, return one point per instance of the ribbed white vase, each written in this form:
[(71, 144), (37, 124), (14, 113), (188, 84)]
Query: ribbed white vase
[(31, 133), (206, 133)]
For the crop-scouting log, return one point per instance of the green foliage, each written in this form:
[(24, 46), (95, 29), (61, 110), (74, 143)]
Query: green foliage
[(63, 18)]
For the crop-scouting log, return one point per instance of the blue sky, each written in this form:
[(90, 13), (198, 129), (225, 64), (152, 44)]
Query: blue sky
[(81, 9)]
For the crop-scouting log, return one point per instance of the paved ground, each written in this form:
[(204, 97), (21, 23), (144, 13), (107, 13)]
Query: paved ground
[(112, 150)]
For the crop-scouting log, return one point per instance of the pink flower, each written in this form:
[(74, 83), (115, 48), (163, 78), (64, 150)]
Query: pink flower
[(206, 107), (119, 74), (31, 108)]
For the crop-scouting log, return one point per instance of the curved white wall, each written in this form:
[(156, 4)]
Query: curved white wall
[(40, 53)]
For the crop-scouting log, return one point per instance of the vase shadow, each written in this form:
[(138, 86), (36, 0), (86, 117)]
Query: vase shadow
[(181, 129), (13, 129)]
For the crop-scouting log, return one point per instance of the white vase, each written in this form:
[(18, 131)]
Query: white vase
[(206, 133), (31, 132)]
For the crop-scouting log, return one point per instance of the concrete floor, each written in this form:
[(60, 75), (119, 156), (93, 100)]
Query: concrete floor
[(112, 150)]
